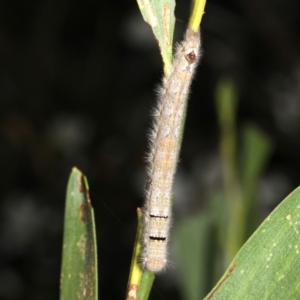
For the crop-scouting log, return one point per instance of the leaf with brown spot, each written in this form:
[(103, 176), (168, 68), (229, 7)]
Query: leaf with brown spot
[(79, 265), (159, 14)]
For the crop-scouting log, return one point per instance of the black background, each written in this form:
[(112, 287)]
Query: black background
[(77, 81)]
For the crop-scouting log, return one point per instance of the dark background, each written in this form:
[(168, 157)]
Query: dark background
[(77, 82)]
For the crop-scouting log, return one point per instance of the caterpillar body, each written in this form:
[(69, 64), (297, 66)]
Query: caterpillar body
[(165, 141)]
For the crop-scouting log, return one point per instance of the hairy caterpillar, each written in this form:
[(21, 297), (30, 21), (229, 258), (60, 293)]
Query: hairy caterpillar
[(164, 148)]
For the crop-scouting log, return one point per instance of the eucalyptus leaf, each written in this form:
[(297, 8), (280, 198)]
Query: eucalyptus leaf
[(267, 266), (159, 14), (79, 264)]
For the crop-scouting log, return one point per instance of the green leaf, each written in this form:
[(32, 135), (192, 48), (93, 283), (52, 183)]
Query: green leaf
[(256, 150), (159, 14), (197, 14), (79, 265), (267, 266), (140, 280), (145, 285), (226, 104), (193, 239)]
